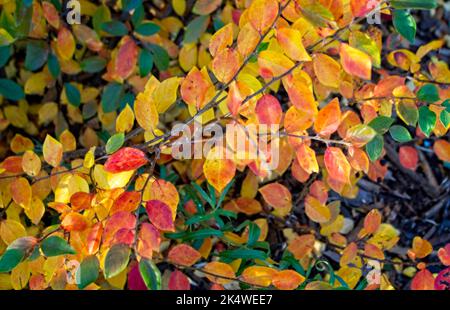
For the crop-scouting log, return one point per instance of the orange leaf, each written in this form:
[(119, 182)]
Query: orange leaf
[(262, 14), (149, 240), (442, 149), (74, 222), (421, 248), (408, 156), (349, 254), (302, 97), (363, 7), (355, 62), (423, 280), (221, 39), (160, 215), (218, 170), (327, 70), (81, 201), (118, 221), (337, 165), (307, 158), (125, 159), (194, 88), (302, 245), (278, 197), (258, 275), (268, 110), (287, 280), (316, 211), (127, 201), (215, 269), (21, 192), (248, 206), (298, 119), (373, 251), (328, 118), (94, 237), (51, 14), (225, 65), (372, 221), (184, 255)]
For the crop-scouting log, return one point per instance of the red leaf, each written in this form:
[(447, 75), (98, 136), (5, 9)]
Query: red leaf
[(442, 281), (125, 159), (135, 281), (183, 254), (408, 157), (423, 280), (178, 281), (160, 215), (268, 110)]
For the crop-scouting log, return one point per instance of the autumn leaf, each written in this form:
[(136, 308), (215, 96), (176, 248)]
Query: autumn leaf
[(183, 255), (287, 280), (160, 215), (219, 272), (337, 165), (268, 110), (125, 159), (278, 197), (262, 14), (328, 118), (355, 62), (218, 171), (53, 151)]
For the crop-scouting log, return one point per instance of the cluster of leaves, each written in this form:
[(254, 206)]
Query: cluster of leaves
[(101, 203)]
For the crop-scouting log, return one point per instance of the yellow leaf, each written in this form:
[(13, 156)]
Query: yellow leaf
[(20, 276), (11, 230), (35, 85), (31, 163), (291, 42), (327, 70), (89, 159), (125, 120), (68, 141), (53, 151), (146, 112), (35, 211), (68, 185), (165, 94), (218, 170)]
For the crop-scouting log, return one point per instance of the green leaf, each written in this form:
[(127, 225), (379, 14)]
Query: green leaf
[(115, 28), (160, 56), (195, 29), (129, 5), (414, 4), (5, 53), (150, 274), (101, 15), (375, 147), (17, 251), (138, 15), (253, 234), (53, 66), (145, 62), (111, 96), (11, 90), (36, 55), (243, 254), (117, 259), (115, 142), (88, 271), (400, 134), (427, 120), (428, 93), (408, 112), (405, 24), (55, 246), (445, 118), (147, 29), (199, 234), (381, 124), (93, 64), (72, 94)]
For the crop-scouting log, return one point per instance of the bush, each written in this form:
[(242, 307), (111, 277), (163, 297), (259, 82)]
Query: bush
[(294, 144)]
